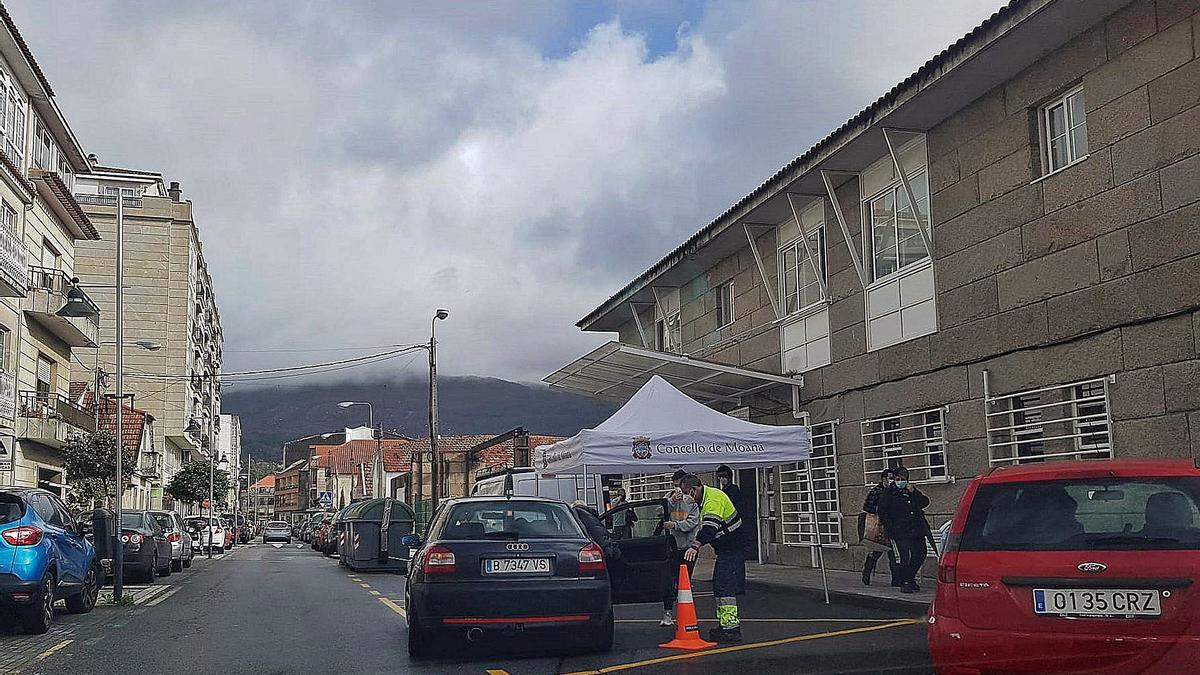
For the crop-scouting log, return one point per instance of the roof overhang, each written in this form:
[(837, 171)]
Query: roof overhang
[(63, 203), (616, 371), (1011, 40)]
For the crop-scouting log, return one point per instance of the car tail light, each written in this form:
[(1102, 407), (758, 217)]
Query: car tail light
[(134, 538), (948, 567), (25, 535), (174, 536), (591, 559), (438, 560)]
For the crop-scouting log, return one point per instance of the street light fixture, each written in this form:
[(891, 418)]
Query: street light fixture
[(435, 461)]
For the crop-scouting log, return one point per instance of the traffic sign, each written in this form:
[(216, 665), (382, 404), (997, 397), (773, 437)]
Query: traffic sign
[(326, 499)]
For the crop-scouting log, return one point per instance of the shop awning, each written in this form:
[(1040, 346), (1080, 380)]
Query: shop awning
[(617, 371)]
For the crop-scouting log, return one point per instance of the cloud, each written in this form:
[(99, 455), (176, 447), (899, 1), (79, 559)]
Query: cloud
[(355, 165)]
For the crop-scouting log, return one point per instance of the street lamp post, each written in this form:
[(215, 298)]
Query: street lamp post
[(435, 469), (378, 441)]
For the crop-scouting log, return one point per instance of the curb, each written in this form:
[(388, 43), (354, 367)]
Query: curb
[(850, 597)]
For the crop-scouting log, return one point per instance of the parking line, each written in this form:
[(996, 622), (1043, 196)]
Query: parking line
[(375, 593), (752, 645), (53, 649), (497, 672), (363, 585), (394, 607)]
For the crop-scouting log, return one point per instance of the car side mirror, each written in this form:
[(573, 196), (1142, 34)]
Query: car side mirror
[(410, 540)]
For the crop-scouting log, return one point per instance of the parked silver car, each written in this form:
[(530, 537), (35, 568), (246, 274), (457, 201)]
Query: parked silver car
[(277, 530), (182, 551)]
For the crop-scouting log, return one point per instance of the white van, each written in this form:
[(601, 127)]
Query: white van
[(526, 483)]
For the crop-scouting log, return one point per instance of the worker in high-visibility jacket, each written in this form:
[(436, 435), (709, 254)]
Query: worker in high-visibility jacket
[(721, 528)]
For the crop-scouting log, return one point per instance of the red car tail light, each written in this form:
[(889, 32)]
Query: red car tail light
[(174, 536), (591, 559), (438, 560), (948, 569), (25, 535)]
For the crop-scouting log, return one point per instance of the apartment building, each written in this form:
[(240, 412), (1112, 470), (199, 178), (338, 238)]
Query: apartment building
[(229, 446), (169, 303), (47, 319), (996, 262), (291, 484), (262, 499)]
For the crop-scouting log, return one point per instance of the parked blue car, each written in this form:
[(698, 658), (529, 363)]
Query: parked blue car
[(43, 558)]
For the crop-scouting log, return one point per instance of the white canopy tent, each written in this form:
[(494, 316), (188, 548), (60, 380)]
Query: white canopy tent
[(662, 429)]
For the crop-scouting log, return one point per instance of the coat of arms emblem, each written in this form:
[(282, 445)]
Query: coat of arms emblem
[(641, 447)]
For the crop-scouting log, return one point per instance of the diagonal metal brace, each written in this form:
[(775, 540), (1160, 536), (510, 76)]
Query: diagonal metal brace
[(762, 269), (837, 212), (808, 252), (922, 226)]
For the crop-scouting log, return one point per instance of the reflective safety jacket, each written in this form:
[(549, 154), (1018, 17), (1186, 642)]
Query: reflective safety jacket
[(719, 521)]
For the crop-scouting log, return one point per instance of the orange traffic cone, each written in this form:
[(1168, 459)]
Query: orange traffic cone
[(687, 630)]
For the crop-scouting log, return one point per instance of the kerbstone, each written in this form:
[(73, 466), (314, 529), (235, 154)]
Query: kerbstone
[(1156, 342), (1050, 275), (1135, 67), (1137, 393), (1181, 386), (1090, 218)]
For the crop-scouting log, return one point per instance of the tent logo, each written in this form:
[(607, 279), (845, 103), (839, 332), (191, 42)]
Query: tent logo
[(641, 447)]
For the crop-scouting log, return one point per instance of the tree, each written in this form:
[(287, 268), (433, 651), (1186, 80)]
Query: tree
[(90, 462), (190, 484)]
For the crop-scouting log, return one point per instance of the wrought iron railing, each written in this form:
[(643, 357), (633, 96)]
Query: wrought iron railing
[(13, 255), (57, 282), (55, 406), (107, 200)]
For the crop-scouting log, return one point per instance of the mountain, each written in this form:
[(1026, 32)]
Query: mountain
[(466, 405)]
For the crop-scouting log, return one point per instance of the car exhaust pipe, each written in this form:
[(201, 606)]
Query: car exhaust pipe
[(474, 634)]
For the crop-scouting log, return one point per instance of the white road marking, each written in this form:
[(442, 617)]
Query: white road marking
[(162, 597)]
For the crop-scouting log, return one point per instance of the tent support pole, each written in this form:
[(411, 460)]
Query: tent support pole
[(812, 497)]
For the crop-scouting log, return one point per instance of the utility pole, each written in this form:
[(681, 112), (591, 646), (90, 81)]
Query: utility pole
[(435, 468), (118, 547)]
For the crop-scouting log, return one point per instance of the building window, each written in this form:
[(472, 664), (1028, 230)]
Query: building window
[(914, 440), (725, 305), (796, 496), (12, 122), (1064, 131), (1059, 422), (5, 349), (649, 486), (43, 146), (895, 240), (45, 377), (801, 276), (8, 217)]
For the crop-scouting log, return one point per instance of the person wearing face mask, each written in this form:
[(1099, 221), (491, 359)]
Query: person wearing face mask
[(902, 512), (871, 508), (722, 528), (683, 523)]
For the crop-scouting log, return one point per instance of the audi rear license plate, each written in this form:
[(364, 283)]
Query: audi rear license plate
[(516, 566), (1108, 603)]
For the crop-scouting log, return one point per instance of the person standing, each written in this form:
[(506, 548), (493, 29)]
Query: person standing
[(596, 531), (721, 528), (623, 527), (871, 508), (902, 512), (683, 523)]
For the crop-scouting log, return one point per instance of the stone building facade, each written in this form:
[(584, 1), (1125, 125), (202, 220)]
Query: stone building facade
[(1040, 303)]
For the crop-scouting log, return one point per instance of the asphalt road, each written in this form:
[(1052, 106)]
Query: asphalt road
[(263, 609)]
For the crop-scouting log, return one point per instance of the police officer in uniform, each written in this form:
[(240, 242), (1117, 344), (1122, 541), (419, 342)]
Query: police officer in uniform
[(721, 528)]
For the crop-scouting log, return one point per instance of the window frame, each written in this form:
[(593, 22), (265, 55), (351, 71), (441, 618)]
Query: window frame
[(900, 437), (1077, 415), (1045, 140), (895, 189), (825, 486), (725, 300), (796, 248)]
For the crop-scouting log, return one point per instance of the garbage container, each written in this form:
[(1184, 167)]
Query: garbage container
[(374, 529), (339, 532), (100, 527)]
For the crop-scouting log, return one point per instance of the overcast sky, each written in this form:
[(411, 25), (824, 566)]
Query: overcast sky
[(354, 165)]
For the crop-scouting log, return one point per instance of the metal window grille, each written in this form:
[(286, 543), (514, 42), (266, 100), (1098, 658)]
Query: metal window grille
[(1069, 421), (796, 502), (914, 440), (649, 486)]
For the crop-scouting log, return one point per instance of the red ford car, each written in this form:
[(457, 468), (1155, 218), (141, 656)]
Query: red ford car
[(1087, 566)]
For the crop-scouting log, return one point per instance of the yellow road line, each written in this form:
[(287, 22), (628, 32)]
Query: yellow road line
[(752, 645), (375, 593), (355, 579), (363, 585), (774, 620), (53, 649), (394, 607), (497, 672)]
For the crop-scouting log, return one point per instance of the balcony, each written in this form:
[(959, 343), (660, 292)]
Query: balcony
[(14, 281), (108, 200), (48, 293), (51, 418), (150, 465)]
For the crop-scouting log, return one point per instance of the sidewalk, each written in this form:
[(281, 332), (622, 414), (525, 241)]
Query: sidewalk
[(843, 586)]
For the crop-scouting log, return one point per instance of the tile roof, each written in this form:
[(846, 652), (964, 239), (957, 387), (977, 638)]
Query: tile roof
[(496, 455), (266, 482), (133, 420), (345, 458)]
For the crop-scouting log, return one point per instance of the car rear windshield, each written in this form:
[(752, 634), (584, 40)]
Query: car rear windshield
[(11, 508), (503, 519), (1085, 515), (276, 525), (131, 520), (165, 521)]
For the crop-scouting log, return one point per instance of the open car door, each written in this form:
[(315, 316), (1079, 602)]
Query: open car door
[(637, 529)]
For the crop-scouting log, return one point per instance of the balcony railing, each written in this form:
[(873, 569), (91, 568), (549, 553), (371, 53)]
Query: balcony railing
[(107, 200), (51, 418), (13, 278), (56, 284)]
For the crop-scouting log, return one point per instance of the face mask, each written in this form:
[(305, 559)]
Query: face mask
[(724, 482), (901, 483)]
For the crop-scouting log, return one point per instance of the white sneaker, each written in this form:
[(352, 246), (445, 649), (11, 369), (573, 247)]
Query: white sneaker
[(667, 620)]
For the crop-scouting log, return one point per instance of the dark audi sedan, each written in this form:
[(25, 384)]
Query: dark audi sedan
[(518, 569)]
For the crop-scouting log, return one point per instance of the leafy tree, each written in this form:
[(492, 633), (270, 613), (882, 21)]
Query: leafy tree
[(90, 462), (190, 484)]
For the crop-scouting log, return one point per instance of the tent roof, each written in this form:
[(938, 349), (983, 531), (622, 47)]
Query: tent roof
[(661, 428)]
